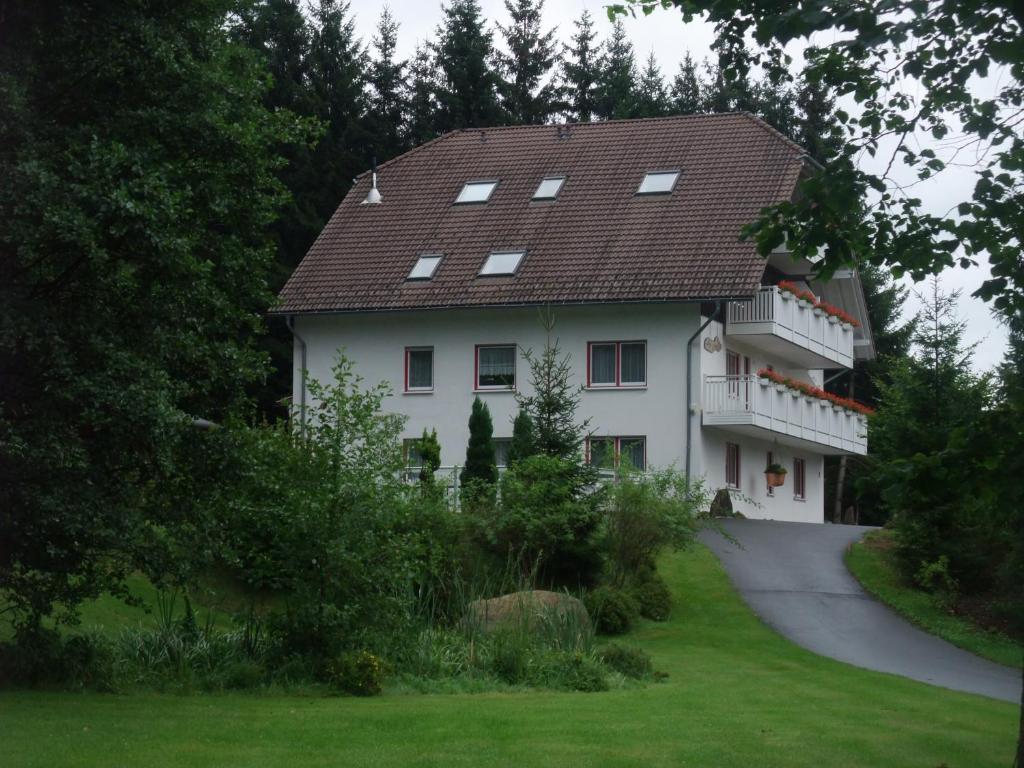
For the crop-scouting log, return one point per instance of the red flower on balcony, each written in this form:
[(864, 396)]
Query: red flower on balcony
[(809, 389)]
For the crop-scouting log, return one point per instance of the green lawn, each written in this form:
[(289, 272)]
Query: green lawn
[(737, 695), (871, 561)]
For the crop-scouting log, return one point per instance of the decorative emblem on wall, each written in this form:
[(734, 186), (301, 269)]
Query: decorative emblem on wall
[(713, 345)]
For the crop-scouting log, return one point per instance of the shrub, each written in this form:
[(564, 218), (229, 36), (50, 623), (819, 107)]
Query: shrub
[(612, 610), (44, 658), (545, 519), (652, 596), (570, 671), (627, 660), (645, 515), (358, 673), (240, 675)]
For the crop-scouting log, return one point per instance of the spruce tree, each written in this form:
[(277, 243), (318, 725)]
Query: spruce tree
[(524, 441), (468, 87), (776, 105), (481, 463), (388, 87), (817, 131), (617, 86), (581, 71), (421, 99), (429, 448), (528, 92), (651, 96), (686, 88)]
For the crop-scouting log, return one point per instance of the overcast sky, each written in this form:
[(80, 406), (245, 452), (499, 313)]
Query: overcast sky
[(670, 39)]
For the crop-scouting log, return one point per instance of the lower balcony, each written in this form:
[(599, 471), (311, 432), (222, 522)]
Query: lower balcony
[(758, 408)]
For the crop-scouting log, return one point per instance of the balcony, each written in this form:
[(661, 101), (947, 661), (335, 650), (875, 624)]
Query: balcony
[(755, 407), (777, 323)]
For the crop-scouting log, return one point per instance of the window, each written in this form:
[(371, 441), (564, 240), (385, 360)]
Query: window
[(501, 446), (496, 367), (658, 183), (549, 188), (732, 465), (617, 364), (476, 192), (770, 461), (411, 452), (419, 369), (799, 479), (424, 268), (613, 452), (502, 263)]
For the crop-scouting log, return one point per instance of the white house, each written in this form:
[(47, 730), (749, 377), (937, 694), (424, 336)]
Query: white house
[(431, 276)]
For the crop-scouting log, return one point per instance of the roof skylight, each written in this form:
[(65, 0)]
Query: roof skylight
[(658, 183), (425, 267), (476, 192), (549, 188), (502, 263)]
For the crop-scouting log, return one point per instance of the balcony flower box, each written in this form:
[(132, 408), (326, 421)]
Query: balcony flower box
[(837, 408), (847, 326), (781, 387), (805, 304), (833, 319), (819, 312)]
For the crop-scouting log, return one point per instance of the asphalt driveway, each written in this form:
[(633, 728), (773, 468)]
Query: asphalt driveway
[(793, 576)]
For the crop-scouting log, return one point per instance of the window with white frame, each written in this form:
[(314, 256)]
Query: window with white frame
[(617, 364), (658, 183), (495, 366), (732, 465), (425, 267), (501, 263), (476, 192), (616, 452), (419, 369), (549, 188), (799, 479), (501, 448)]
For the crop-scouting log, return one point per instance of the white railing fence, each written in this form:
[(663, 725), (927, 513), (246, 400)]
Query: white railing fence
[(751, 400)]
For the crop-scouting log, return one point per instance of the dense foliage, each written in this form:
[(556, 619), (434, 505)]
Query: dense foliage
[(137, 183)]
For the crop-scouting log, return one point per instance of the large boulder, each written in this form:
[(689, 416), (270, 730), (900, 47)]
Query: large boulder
[(530, 609)]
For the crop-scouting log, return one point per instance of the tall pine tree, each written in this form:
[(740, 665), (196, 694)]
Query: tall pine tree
[(527, 89), (686, 95), (468, 88), (581, 71), (651, 95), (388, 88), (617, 86), (421, 98)]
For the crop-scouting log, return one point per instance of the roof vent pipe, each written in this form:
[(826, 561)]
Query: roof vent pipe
[(373, 196)]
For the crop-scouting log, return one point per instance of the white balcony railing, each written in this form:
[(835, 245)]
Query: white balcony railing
[(750, 403), (812, 339)]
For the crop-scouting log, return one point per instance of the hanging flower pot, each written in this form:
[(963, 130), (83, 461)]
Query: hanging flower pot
[(775, 475)]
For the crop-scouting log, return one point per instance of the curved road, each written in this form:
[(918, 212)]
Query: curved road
[(793, 576)]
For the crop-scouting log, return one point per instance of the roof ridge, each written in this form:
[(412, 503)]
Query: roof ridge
[(771, 130), (413, 151)]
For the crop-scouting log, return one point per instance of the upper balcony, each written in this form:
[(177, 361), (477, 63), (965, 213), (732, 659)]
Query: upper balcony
[(756, 407), (791, 329)]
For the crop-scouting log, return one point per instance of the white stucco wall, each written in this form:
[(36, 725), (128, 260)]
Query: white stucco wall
[(376, 344)]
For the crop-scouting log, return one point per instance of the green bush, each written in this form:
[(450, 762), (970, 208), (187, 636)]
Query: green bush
[(563, 670), (627, 660), (359, 673), (43, 657), (240, 675), (612, 610), (652, 596)]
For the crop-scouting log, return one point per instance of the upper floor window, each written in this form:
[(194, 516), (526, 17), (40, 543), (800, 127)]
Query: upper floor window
[(799, 479), (496, 366), (476, 192), (658, 183), (549, 188), (502, 263), (616, 452), (419, 369), (732, 465), (617, 364), (425, 267)]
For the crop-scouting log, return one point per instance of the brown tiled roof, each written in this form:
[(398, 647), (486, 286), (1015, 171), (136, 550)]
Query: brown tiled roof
[(599, 242)]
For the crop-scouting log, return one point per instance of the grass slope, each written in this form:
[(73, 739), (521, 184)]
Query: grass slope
[(738, 695), (871, 561)]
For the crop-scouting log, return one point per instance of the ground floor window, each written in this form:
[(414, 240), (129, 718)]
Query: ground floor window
[(771, 460), (501, 446), (614, 452), (411, 453), (799, 479), (732, 465)]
